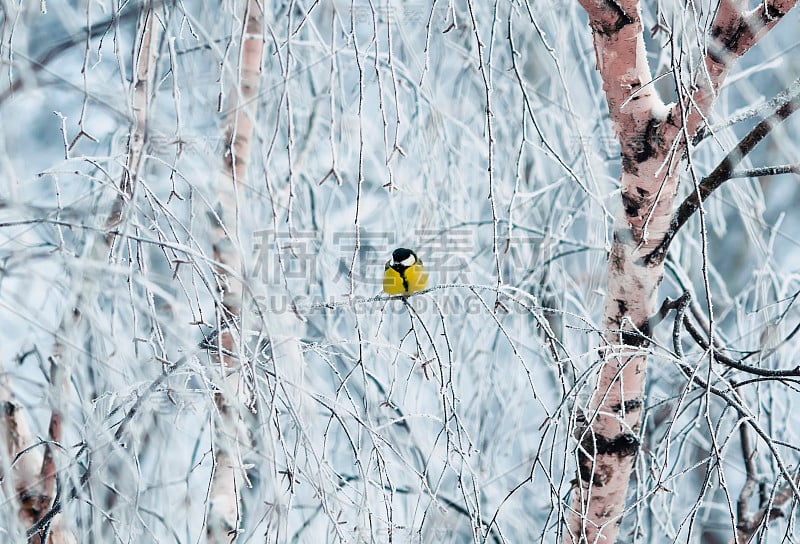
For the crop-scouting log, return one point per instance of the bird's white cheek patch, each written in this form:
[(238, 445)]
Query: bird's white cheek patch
[(408, 262)]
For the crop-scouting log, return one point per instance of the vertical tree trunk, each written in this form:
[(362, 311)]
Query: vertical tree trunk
[(653, 141), (608, 445), (230, 438)]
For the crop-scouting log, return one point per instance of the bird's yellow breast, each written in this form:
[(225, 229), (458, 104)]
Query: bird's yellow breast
[(404, 281)]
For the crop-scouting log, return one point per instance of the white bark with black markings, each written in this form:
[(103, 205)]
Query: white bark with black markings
[(653, 141)]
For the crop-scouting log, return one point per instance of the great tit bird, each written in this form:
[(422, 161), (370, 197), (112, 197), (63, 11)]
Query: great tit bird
[(404, 273)]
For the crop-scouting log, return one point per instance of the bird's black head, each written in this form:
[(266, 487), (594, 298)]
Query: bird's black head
[(402, 257)]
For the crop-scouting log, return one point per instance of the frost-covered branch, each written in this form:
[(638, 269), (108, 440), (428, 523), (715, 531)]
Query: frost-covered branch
[(724, 172), (40, 492)]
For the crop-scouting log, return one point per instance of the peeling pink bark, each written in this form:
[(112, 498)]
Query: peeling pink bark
[(652, 143)]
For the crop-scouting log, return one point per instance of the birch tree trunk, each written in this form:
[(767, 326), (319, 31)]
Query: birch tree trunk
[(653, 138), (230, 435)]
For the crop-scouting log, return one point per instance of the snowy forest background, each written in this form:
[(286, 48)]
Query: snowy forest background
[(474, 132)]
